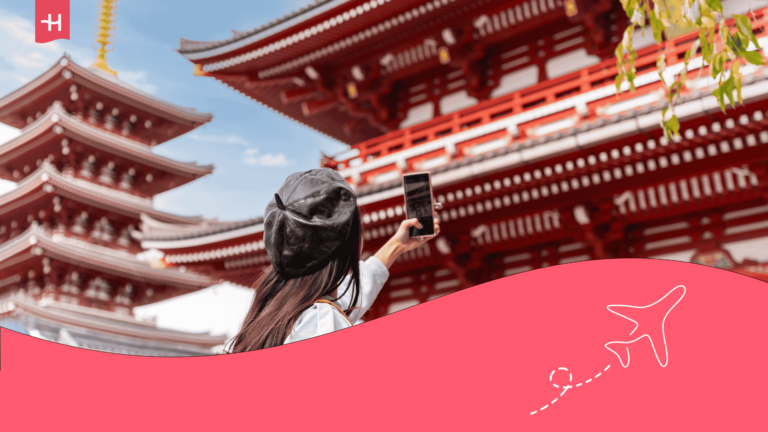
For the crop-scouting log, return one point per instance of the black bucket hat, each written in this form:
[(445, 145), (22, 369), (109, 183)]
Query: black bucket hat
[(309, 217)]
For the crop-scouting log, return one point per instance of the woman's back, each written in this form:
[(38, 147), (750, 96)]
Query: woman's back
[(313, 236), (327, 317)]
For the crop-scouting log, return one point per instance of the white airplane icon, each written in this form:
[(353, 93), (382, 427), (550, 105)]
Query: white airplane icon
[(653, 330)]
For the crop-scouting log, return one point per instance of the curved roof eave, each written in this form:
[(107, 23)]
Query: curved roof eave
[(100, 258), (205, 235), (133, 95), (196, 50), (112, 199), (114, 142)]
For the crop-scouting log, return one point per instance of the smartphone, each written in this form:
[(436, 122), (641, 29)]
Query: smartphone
[(417, 188)]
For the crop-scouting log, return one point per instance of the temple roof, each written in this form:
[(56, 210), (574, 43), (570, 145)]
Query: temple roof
[(159, 235), (187, 47), (306, 66), (82, 131), (47, 180), (65, 71), (35, 241), (104, 330)]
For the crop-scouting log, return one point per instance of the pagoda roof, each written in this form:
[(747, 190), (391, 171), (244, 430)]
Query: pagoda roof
[(233, 245), (35, 134), (65, 70), (161, 235), (36, 241), (112, 323), (48, 180)]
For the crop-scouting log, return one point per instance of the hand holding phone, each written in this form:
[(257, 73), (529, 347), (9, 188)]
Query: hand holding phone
[(417, 188)]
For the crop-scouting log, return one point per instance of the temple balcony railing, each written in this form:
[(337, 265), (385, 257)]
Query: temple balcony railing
[(521, 117)]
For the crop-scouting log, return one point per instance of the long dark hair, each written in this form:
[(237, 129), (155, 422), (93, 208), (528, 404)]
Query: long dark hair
[(279, 301)]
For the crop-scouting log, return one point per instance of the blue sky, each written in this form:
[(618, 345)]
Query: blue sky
[(253, 148)]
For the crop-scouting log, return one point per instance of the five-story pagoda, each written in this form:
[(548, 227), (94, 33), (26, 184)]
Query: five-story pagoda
[(85, 174)]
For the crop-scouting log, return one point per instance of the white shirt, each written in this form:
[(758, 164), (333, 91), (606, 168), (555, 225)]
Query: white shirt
[(322, 318)]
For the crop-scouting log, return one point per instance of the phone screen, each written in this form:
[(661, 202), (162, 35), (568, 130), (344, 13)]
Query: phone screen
[(418, 202)]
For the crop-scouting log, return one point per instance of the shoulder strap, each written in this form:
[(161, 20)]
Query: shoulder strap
[(336, 306)]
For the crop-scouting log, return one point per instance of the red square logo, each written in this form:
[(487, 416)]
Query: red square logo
[(51, 20)]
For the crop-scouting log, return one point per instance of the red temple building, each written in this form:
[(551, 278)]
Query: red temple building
[(86, 175), (511, 105)]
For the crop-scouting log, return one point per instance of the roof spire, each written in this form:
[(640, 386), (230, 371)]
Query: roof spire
[(106, 21)]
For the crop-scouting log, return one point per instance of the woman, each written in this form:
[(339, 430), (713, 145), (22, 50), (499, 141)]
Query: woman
[(317, 283)]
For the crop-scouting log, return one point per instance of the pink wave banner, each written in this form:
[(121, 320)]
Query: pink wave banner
[(630, 345)]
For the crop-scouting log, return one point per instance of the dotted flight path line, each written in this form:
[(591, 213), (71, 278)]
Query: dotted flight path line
[(567, 386)]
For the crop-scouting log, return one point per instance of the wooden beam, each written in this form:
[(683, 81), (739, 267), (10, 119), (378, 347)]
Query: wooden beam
[(298, 94), (316, 106)]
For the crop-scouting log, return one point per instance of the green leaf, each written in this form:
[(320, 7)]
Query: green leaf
[(745, 28), (706, 50), (742, 21), (739, 45), (630, 32), (657, 26), (754, 57), (619, 80), (715, 5), (718, 94), (736, 74), (629, 7), (715, 65), (727, 87), (673, 126)]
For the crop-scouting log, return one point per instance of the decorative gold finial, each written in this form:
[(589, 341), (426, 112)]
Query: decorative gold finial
[(198, 70), (106, 23)]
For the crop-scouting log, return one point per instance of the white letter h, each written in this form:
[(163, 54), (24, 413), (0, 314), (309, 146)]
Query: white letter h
[(49, 22)]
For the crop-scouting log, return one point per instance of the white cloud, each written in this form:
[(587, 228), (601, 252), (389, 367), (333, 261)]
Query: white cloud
[(219, 309), (8, 133), (6, 186), (137, 79), (251, 158), (25, 58), (219, 139)]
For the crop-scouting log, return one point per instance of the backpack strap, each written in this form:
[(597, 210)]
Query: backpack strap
[(337, 308)]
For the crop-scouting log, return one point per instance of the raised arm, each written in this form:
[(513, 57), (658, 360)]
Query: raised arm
[(374, 271)]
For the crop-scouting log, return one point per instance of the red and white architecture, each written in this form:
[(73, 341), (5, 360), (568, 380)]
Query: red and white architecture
[(86, 175), (512, 107)]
